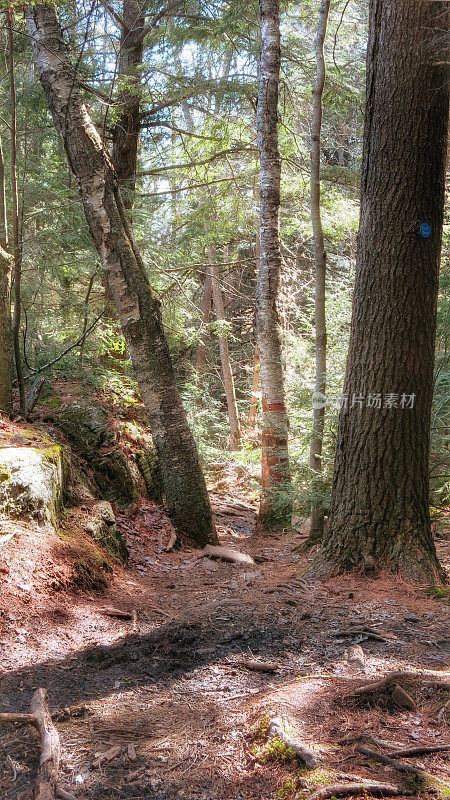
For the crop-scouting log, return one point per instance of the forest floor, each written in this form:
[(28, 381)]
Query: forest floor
[(161, 707)]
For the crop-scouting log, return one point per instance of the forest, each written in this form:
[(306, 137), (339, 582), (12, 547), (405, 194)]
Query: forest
[(224, 400)]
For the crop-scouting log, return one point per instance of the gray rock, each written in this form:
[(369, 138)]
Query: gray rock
[(31, 482)]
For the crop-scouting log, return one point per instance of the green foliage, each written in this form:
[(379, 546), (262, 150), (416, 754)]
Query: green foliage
[(197, 181), (277, 751)]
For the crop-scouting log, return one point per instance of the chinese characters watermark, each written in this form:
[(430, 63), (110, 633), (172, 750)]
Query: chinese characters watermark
[(375, 400)]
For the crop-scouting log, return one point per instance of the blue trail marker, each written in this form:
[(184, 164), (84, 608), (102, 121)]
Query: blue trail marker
[(425, 230)]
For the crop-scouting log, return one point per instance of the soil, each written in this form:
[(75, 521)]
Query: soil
[(170, 683)]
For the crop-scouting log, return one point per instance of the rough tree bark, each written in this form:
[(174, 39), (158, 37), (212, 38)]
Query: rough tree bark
[(138, 310), (380, 503), (6, 345), (17, 246), (276, 503), (228, 380), (320, 260), (128, 104)]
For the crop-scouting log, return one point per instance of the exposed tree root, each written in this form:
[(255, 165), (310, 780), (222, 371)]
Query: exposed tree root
[(410, 768), (421, 750), (310, 759), (364, 787), (368, 633), (45, 785), (427, 677)]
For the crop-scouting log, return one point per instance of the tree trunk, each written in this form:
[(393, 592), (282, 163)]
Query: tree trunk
[(380, 504), (128, 105), (206, 311), (276, 501), (138, 310), (228, 381), (6, 344), (15, 220), (320, 260), (255, 392)]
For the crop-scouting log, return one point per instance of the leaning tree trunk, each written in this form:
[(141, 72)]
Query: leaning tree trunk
[(380, 504), (276, 502), (6, 344), (227, 372), (320, 261), (17, 245), (138, 310)]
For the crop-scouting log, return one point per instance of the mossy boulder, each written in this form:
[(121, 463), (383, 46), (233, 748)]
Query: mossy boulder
[(103, 529), (32, 482), (119, 477)]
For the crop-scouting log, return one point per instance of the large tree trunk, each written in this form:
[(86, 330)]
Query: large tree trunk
[(228, 380), (380, 505), (17, 245), (320, 260), (128, 105), (139, 311), (6, 345), (276, 503)]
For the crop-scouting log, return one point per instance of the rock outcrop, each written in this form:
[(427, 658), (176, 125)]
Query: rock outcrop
[(32, 482), (120, 478)]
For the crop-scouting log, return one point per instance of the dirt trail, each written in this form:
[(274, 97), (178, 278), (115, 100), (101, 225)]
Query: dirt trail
[(172, 693)]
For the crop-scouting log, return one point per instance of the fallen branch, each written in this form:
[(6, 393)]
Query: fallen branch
[(364, 787), (310, 759), (226, 554), (411, 768), (39, 716)]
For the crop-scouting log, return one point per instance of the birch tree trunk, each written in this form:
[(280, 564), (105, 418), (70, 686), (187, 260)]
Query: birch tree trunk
[(6, 344), (276, 501), (320, 259), (138, 309), (380, 504), (228, 380), (17, 246)]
